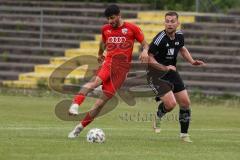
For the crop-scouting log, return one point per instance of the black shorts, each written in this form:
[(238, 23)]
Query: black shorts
[(162, 82)]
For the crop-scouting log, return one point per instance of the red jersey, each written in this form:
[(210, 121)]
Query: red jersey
[(121, 40)]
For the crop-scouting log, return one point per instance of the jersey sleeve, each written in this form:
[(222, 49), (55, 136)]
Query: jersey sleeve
[(182, 41), (138, 34), (153, 47), (181, 38)]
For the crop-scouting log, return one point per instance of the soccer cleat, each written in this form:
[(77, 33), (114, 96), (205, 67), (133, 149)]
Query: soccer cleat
[(75, 132), (73, 110), (157, 124), (185, 137)]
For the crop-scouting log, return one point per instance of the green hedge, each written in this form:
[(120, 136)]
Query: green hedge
[(184, 5)]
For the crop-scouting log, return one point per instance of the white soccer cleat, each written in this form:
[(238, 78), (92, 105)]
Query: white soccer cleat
[(73, 110), (185, 137), (75, 132)]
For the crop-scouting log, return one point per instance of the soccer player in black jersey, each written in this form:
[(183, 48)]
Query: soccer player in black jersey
[(163, 77)]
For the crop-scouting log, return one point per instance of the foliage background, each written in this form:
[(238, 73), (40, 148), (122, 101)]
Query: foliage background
[(183, 5)]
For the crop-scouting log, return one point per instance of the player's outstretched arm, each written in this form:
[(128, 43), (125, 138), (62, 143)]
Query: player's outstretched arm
[(187, 56), (101, 57), (153, 63), (144, 54)]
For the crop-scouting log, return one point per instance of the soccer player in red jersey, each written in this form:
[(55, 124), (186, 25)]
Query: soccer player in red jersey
[(117, 39)]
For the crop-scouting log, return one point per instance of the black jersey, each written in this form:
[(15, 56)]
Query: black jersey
[(164, 49)]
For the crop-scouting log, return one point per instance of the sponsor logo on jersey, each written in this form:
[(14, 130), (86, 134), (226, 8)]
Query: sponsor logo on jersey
[(116, 39), (124, 30), (176, 43), (170, 52)]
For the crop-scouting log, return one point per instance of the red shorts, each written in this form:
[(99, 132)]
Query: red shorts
[(113, 76)]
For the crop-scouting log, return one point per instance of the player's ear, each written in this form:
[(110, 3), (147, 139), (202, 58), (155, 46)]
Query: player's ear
[(178, 23)]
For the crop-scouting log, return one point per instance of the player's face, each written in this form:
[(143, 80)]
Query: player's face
[(114, 20), (171, 24)]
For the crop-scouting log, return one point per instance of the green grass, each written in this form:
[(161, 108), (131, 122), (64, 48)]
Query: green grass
[(30, 130)]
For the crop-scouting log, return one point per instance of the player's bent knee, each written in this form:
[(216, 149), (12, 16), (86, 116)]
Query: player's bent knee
[(108, 95), (170, 105), (185, 103)]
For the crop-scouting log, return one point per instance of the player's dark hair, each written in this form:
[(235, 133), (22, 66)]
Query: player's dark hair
[(112, 10), (172, 13)]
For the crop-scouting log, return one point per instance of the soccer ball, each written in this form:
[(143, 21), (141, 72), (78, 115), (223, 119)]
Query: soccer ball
[(95, 135)]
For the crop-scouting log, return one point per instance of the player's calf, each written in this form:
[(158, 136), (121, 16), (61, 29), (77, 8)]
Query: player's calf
[(161, 111), (184, 120)]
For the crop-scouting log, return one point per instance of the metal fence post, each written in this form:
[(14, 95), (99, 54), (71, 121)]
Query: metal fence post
[(197, 5), (41, 28)]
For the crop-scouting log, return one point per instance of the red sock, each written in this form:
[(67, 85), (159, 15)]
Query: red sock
[(78, 99), (87, 119)]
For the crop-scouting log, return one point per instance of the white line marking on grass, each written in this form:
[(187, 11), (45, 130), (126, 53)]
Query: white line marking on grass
[(130, 129)]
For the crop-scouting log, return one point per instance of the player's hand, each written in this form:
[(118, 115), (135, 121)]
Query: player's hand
[(100, 58), (198, 63), (144, 56), (170, 67)]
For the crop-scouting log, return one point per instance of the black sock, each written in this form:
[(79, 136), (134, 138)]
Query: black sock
[(161, 110), (184, 118), (157, 98)]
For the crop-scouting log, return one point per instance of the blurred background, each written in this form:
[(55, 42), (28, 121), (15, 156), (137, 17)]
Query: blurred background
[(36, 37), (45, 46)]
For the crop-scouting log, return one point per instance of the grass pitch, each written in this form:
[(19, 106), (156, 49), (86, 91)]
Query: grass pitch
[(30, 130)]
